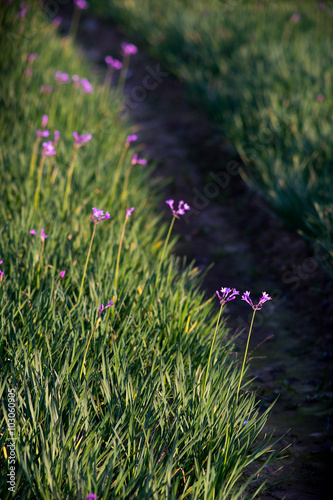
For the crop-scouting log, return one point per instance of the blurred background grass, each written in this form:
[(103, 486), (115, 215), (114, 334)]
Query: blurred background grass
[(263, 71)]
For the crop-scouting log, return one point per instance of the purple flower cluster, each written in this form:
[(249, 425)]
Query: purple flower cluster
[(231, 293), (129, 212), (48, 149), (128, 49), (87, 88), (32, 57), (42, 133), (226, 295), (181, 207), (262, 300), (43, 236), (80, 140), (113, 63), (130, 138), (46, 89), (62, 274), (100, 310), (81, 4), (136, 159), (62, 77), (98, 215), (23, 11)]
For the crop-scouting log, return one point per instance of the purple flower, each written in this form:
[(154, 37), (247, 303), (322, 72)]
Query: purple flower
[(61, 77), (98, 215), (21, 15), (56, 137), (45, 119), (320, 97), (128, 49), (28, 72), (1, 275), (42, 133), (131, 138), (83, 5), (81, 139), (136, 160), (129, 212), (48, 149), (57, 21), (76, 80), (113, 63), (46, 89), (86, 86), (181, 207), (62, 274), (43, 236), (321, 5), (101, 309), (295, 18), (226, 295), (91, 496), (262, 300), (32, 57)]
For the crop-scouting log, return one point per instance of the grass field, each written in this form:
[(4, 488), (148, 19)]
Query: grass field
[(263, 71), (141, 399)]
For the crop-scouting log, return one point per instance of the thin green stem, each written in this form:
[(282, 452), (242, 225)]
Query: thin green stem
[(164, 248), (245, 354), (123, 74), (69, 181), (211, 347), (117, 174), (39, 180), (85, 267), (75, 22), (124, 193), (118, 256), (85, 354), (40, 263), (33, 160)]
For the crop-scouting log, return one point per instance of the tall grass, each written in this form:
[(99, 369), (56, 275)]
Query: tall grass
[(110, 404), (263, 70)]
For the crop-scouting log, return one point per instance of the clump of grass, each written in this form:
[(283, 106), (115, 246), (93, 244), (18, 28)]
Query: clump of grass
[(106, 404)]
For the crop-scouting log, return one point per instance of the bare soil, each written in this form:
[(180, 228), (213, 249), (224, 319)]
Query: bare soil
[(232, 227)]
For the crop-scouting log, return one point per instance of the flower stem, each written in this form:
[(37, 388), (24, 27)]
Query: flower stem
[(118, 257), (124, 193), (245, 354), (75, 22), (211, 348), (117, 174), (34, 157), (164, 248), (85, 354), (123, 74), (85, 267), (69, 181), (39, 180), (40, 264)]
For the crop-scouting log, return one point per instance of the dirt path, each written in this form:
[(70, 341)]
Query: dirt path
[(292, 346)]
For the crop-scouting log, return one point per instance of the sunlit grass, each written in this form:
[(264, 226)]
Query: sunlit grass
[(107, 401)]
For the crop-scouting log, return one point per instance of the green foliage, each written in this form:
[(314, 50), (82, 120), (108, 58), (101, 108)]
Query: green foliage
[(258, 72), (137, 424)]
